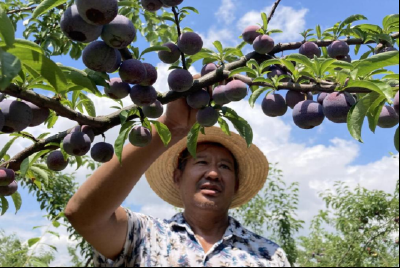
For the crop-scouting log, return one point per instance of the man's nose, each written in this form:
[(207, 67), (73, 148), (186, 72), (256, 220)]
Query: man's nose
[(213, 173)]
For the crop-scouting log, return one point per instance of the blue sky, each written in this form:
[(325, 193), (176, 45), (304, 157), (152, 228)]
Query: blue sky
[(315, 158)]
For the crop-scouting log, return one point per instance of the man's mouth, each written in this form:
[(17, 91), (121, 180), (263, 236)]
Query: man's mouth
[(209, 189)]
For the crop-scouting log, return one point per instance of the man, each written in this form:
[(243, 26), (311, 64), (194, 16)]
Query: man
[(225, 174)]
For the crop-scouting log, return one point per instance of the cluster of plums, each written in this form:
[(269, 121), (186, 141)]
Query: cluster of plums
[(262, 43), (308, 114), (8, 185), (15, 116)]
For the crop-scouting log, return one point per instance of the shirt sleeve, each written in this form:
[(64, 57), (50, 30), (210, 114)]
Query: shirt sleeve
[(137, 226)]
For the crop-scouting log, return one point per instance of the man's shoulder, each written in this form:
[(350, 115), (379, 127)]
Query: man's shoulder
[(258, 239)]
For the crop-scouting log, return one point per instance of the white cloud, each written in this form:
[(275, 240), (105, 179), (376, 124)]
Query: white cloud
[(225, 35), (291, 21), (226, 12)]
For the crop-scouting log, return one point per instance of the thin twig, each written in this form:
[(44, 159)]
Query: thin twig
[(20, 10), (178, 27), (273, 10), (88, 262)]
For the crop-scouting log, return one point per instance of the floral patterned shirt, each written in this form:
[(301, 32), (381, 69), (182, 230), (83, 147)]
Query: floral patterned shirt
[(172, 243)]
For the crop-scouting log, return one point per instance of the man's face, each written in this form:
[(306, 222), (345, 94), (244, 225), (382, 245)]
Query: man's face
[(208, 182)]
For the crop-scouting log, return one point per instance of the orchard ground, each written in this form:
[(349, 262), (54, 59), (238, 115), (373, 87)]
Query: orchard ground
[(315, 158)]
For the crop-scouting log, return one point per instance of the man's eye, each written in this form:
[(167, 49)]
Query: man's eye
[(225, 167), (202, 162)]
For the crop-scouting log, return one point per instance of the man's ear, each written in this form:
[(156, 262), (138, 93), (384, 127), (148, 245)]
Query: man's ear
[(177, 178)]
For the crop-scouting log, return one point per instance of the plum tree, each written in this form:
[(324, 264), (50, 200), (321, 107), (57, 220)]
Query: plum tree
[(310, 50), (236, 90), (151, 75), (337, 106), (171, 56), (9, 190), (263, 44), (321, 97), (207, 117), (338, 49), (118, 89), (7, 176), (119, 33), (17, 115), (77, 144), (171, 3), (97, 12), (152, 5), (396, 103), (385, 49), (140, 136), (56, 162), (117, 64), (132, 71), (198, 99), (142, 96), (102, 152), (250, 34), (190, 43), (388, 117), (274, 105), (39, 114), (219, 95), (180, 80), (294, 97), (308, 114), (76, 29), (99, 57), (154, 110), (208, 68)]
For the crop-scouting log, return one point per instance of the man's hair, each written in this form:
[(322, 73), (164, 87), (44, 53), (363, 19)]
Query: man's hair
[(185, 156)]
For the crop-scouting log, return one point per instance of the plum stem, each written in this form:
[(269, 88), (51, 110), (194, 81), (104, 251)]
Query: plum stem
[(178, 27)]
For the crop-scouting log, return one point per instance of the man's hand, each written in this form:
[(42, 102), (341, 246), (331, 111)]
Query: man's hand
[(180, 117)]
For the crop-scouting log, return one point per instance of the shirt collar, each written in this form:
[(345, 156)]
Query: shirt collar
[(234, 228)]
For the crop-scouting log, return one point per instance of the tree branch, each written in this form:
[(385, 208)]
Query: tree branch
[(20, 10), (178, 27), (273, 10)]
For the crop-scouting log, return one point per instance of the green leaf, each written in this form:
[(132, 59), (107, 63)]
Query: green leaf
[(219, 47), (80, 78), (301, 59), (265, 20), (396, 140), (376, 62), (240, 124), (163, 131), (224, 126), (10, 68), (351, 19), (154, 49), (16, 197), (45, 6), (192, 140), (374, 112), (358, 113), (41, 174), (256, 94), (367, 85), (120, 142), (33, 241), (40, 64), (4, 205), (242, 70), (88, 104), (7, 31), (6, 147), (56, 224)]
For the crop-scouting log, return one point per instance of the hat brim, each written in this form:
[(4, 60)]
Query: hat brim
[(253, 168)]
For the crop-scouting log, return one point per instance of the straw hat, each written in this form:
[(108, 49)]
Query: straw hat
[(253, 168)]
